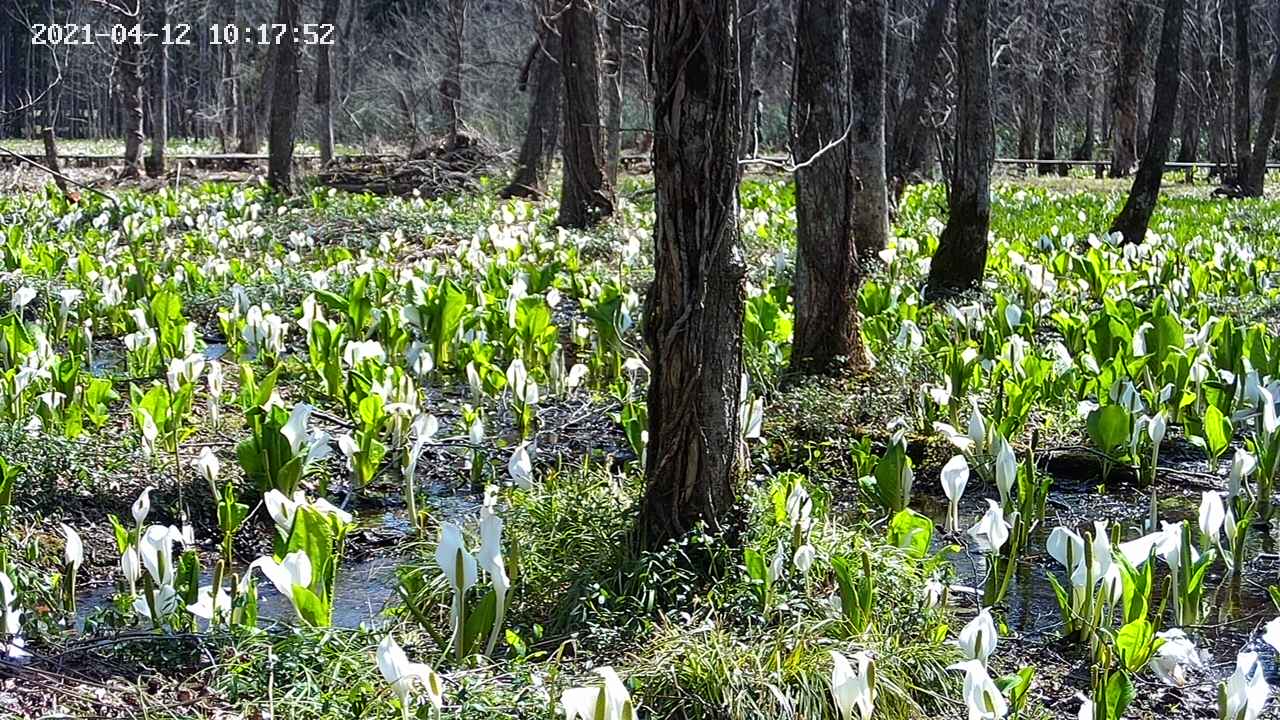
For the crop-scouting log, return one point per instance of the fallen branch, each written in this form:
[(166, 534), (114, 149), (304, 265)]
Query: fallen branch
[(59, 176)]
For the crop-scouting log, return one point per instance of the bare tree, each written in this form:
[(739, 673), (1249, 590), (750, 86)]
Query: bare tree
[(910, 136), (961, 258), (1133, 18), (748, 19), (868, 20), (615, 56), (827, 273), (129, 64), (540, 76), (159, 90), (1256, 178), (1136, 215), (451, 83), (324, 83), (284, 101), (1242, 96), (694, 309), (585, 195)]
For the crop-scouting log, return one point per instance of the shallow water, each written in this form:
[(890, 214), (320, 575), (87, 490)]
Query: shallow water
[(1235, 608), (364, 587)]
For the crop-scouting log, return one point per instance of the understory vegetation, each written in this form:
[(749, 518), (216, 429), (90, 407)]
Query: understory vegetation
[(341, 456)]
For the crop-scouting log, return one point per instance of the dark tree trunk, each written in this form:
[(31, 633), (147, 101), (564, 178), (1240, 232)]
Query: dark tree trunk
[(1192, 118), (130, 59), (159, 93), (1220, 146), (613, 69), (451, 83), (542, 80), (1048, 117), (324, 83), (1242, 106), (1136, 215), (827, 273), (254, 113), (694, 311), (1084, 151), (1027, 124), (911, 139), (230, 82), (284, 102), (961, 257), (585, 195), (748, 13), (867, 35), (1134, 16), (1257, 176)]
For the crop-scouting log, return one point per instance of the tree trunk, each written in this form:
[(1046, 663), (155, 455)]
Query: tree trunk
[(284, 102), (748, 13), (613, 68), (867, 85), (1136, 215), (1134, 15), (1048, 116), (543, 81), (911, 139), (231, 82), (1220, 145), (1192, 117), (694, 310), (254, 113), (159, 93), (1257, 176), (451, 83), (324, 83), (130, 68), (961, 257), (1242, 105), (827, 274), (585, 196), (1084, 151)]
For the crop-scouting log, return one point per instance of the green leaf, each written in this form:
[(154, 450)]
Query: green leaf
[(1217, 431), (1135, 643), (1109, 427), (1120, 692), (912, 532)]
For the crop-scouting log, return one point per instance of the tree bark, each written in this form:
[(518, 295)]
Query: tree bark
[(1242, 101), (543, 81), (159, 93), (230, 82), (585, 195), (324, 83), (1192, 116), (451, 83), (130, 68), (254, 113), (961, 257), (867, 36), (1134, 16), (827, 274), (1257, 176), (748, 20), (1136, 215), (1048, 116), (613, 68), (911, 139), (284, 102), (694, 310)]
